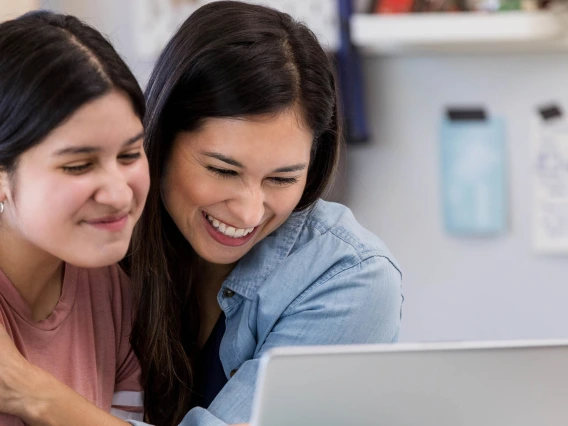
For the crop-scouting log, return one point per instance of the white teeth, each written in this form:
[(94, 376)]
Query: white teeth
[(228, 230)]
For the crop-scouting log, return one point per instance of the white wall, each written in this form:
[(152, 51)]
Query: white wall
[(458, 288), (10, 8)]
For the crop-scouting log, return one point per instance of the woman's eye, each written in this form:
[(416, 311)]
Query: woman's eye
[(78, 169), (224, 173), (283, 181)]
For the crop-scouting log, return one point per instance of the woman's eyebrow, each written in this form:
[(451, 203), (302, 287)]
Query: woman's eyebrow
[(93, 149), (294, 168), (233, 162), (224, 158)]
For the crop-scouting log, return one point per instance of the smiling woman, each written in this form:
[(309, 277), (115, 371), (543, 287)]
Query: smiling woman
[(236, 253), (233, 177), (73, 182)]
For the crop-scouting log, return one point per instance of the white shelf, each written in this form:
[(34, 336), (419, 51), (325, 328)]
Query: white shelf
[(461, 32)]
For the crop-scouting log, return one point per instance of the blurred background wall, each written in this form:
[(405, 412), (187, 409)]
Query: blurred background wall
[(11, 8), (456, 288)]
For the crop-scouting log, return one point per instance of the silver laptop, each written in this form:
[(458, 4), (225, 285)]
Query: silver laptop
[(457, 384)]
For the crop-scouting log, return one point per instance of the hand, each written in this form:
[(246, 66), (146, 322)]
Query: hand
[(13, 367), (24, 388), (38, 398)]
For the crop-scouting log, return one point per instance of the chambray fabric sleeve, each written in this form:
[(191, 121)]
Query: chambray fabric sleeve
[(358, 305)]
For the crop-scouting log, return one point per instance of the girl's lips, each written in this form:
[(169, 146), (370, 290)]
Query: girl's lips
[(112, 224), (224, 239)]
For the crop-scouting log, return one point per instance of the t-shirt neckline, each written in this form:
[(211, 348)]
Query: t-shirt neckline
[(66, 301)]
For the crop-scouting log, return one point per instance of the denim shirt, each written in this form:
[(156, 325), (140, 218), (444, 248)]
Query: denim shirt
[(319, 279)]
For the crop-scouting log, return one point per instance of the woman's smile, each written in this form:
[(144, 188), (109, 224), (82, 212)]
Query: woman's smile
[(226, 234)]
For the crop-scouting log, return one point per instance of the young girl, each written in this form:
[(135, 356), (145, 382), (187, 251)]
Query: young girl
[(73, 182)]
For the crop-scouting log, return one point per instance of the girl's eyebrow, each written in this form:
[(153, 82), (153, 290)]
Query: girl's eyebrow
[(93, 149), (233, 162)]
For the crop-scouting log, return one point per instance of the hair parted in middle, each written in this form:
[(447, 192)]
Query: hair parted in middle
[(228, 60)]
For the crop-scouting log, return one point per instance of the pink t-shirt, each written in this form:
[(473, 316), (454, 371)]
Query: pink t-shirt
[(85, 340)]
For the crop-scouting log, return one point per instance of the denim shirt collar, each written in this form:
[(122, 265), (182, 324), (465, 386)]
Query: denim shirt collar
[(251, 271)]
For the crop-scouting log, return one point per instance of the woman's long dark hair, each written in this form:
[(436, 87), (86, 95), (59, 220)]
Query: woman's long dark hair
[(229, 59), (51, 65)]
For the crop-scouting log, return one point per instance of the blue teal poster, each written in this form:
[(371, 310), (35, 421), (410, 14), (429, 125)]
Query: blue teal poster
[(473, 164)]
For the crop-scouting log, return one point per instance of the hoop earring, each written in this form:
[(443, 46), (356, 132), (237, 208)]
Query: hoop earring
[(1, 207)]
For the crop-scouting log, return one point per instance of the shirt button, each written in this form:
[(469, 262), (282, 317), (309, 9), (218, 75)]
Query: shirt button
[(233, 372), (228, 293)]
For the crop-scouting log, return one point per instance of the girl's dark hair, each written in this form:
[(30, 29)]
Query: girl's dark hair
[(228, 59), (51, 65)]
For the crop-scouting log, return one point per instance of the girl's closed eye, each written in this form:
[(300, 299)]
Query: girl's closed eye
[(130, 157), (77, 169)]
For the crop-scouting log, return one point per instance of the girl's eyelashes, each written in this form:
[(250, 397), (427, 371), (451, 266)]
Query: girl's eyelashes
[(78, 169), (130, 157)]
